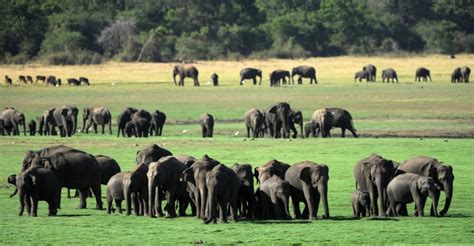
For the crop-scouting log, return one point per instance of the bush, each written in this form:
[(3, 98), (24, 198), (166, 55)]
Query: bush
[(288, 49), (21, 58), (73, 58)]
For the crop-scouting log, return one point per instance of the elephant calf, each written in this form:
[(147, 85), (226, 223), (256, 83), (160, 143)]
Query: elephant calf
[(32, 127), (246, 197), (388, 74), (207, 125), (275, 196), (422, 73), (362, 75), (311, 129), (360, 204)]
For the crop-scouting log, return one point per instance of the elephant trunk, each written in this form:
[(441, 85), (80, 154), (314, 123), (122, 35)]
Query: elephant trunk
[(323, 192), (448, 189), (204, 195), (174, 77), (128, 198), (65, 127), (74, 124), (381, 193), (211, 203), (151, 198), (435, 197), (286, 211), (301, 128)]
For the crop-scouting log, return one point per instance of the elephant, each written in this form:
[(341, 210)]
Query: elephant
[(422, 73), (309, 184), (246, 197), (29, 79), (465, 72), (48, 122), (254, 121), (40, 78), (277, 118), (73, 81), (362, 75), (207, 125), (410, 187), (360, 203), (65, 117), (45, 152), (84, 80), (151, 154), (164, 176), (32, 127), (185, 71), (123, 118), (372, 70), (53, 81), (372, 175), (323, 118), (215, 79), (304, 72), (431, 167), (115, 193), (158, 119), (272, 167), (8, 81), (22, 78), (40, 120), (328, 118), (223, 186), (296, 117), (275, 195), (388, 74), (12, 119), (311, 129), (279, 75), (137, 127), (96, 116), (250, 73), (38, 184), (456, 75)]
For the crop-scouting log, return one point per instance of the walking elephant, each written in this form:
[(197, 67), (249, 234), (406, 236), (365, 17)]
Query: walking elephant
[(362, 75), (207, 125), (246, 196), (278, 76), (311, 129), (275, 196), (465, 73), (32, 127), (304, 72), (65, 118), (309, 184), (323, 118), (372, 70), (96, 116), (388, 74), (123, 118), (185, 71), (250, 73), (151, 154), (158, 119), (296, 117), (328, 118), (456, 75), (277, 118), (422, 73), (255, 122), (12, 119)]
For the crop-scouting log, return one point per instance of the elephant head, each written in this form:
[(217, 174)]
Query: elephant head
[(72, 116), (296, 118), (317, 176), (176, 70), (25, 183), (86, 114), (28, 159), (427, 186), (283, 113), (20, 120), (158, 175), (445, 180), (133, 183), (323, 118)]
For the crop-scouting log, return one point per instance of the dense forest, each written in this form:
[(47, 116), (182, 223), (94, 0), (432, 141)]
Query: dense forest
[(92, 31)]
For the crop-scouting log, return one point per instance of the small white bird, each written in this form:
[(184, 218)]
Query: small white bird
[(184, 131), (113, 83), (236, 133)]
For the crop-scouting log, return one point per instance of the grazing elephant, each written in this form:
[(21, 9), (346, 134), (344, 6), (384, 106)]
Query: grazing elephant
[(410, 187), (8, 81), (29, 79), (164, 176), (311, 129), (84, 80), (422, 73), (73, 81), (65, 118), (309, 184), (372, 70), (362, 75), (38, 184), (22, 78), (372, 175), (465, 72), (296, 117), (277, 118), (246, 197), (223, 186), (254, 121), (96, 116), (151, 154), (456, 75), (304, 72), (279, 75), (388, 74), (51, 80), (158, 119), (32, 127), (250, 73), (430, 167), (12, 119), (207, 125), (275, 196), (40, 78), (341, 118), (215, 79), (272, 167), (123, 118), (360, 204), (185, 71)]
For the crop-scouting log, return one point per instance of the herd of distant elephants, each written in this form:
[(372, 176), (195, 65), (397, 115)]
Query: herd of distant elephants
[(277, 77)]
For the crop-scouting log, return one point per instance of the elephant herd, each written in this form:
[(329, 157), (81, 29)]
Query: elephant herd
[(214, 191), (369, 72), (48, 80)]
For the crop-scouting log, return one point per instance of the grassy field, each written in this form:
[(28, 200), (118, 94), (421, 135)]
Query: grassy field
[(381, 112)]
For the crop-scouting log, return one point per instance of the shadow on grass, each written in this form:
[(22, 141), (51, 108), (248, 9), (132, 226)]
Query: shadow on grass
[(343, 218), (383, 218), (278, 221), (455, 216), (73, 215)]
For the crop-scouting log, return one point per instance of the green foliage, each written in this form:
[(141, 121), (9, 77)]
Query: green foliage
[(77, 57)]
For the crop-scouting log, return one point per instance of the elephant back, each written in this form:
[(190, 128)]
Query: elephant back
[(151, 154)]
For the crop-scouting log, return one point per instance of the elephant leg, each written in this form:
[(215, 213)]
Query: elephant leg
[(96, 190), (296, 206), (317, 198), (171, 211), (82, 198), (118, 204), (222, 209), (136, 203), (34, 207), (52, 211), (254, 80), (103, 128), (343, 132)]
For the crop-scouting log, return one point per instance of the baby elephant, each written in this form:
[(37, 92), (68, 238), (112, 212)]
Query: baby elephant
[(207, 125), (410, 187), (388, 74), (360, 204), (275, 196)]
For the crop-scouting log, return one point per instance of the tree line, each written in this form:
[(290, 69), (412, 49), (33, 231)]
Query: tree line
[(91, 31)]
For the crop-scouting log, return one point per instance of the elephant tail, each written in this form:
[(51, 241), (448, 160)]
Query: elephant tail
[(352, 125)]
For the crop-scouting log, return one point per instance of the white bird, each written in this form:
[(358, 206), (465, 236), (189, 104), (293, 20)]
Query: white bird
[(236, 133), (184, 131)]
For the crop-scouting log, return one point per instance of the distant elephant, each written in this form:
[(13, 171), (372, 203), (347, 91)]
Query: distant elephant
[(96, 116), (456, 75), (49, 123), (388, 74), (40, 120), (158, 119), (465, 73), (250, 73), (309, 184), (360, 204), (410, 187), (277, 118), (246, 197), (40, 78), (123, 118), (372, 175), (254, 121), (341, 118), (32, 127), (185, 71), (29, 79), (65, 118), (362, 75), (8, 81), (223, 186), (323, 118), (12, 119), (137, 127), (372, 70), (430, 167), (73, 81), (207, 125), (38, 184), (272, 167), (215, 79), (311, 129), (151, 154), (275, 193), (279, 75), (84, 80), (52, 80), (164, 176), (304, 72), (296, 117), (22, 78), (422, 73)]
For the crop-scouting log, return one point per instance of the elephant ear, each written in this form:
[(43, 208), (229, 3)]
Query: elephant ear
[(305, 175), (187, 175), (34, 180), (421, 184)]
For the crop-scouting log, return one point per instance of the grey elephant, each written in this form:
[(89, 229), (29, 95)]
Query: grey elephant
[(431, 167), (151, 154), (65, 118), (45, 152), (422, 73), (223, 186), (123, 118), (465, 73), (362, 75), (296, 117), (250, 73), (158, 119), (184, 71), (360, 203), (32, 127), (372, 175), (309, 184), (12, 119), (311, 129), (272, 167), (275, 196), (304, 72), (279, 76), (329, 118), (207, 125), (323, 118), (372, 70), (277, 118), (115, 193), (96, 116), (246, 197), (254, 121), (38, 184), (8, 81), (388, 74), (456, 75), (410, 187), (137, 127), (164, 176), (48, 122), (40, 128), (215, 79)]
